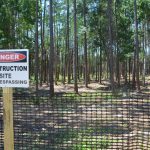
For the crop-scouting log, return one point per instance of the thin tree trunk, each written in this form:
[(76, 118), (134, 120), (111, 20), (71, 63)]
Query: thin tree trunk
[(144, 59), (136, 46), (68, 45), (51, 58), (64, 64), (42, 47), (133, 70), (110, 45), (36, 49), (57, 68), (100, 78), (117, 49), (75, 49), (85, 46), (129, 64)]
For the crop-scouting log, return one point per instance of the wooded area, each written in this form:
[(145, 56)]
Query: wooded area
[(72, 41)]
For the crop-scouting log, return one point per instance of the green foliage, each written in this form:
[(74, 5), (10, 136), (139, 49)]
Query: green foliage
[(28, 11), (17, 29), (17, 17)]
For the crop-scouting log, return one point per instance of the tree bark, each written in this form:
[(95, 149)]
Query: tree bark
[(136, 47), (85, 45), (51, 58), (75, 49), (36, 49), (110, 45)]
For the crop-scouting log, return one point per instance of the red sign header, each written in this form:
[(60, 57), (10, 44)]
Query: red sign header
[(11, 57)]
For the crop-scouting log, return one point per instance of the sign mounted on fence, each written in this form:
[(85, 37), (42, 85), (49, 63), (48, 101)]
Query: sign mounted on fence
[(14, 68)]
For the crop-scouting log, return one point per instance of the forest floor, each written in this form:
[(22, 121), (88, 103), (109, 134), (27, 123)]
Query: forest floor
[(96, 87)]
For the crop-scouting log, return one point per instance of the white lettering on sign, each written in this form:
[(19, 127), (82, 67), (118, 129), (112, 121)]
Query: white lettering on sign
[(11, 57), (14, 68)]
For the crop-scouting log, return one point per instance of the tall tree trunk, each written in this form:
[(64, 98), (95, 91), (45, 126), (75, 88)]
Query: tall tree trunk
[(42, 47), (100, 69), (117, 48), (129, 64), (75, 49), (67, 44), (136, 46), (13, 29), (51, 58), (78, 63), (36, 49), (144, 56), (133, 70), (126, 75), (110, 44), (57, 68), (64, 64), (85, 46)]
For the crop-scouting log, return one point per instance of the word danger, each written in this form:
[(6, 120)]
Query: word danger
[(11, 57)]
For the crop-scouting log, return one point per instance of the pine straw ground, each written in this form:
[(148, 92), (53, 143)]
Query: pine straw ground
[(96, 87)]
